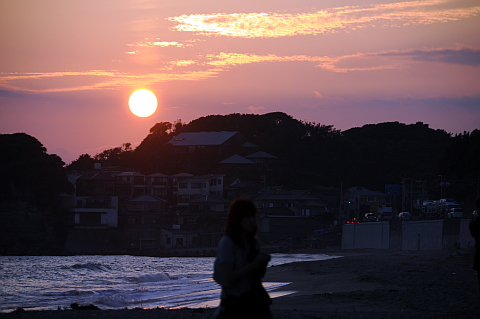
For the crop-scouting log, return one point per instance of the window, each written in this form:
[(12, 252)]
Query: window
[(159, 192), (183, 198), (197, 185), (215, 182), (191, 221), (182, 185), (90, 218)]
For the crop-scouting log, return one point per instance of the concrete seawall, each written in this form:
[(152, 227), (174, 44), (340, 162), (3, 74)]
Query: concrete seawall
[(409, 235)]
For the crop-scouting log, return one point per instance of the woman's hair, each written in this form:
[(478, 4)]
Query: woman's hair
[(239, 209)]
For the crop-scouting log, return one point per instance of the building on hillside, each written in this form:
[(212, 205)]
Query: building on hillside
[(238, 188), (220, 142), (189, 189), (215, 184), (263, 158), (159, 185), (146, 209), (236, 160), (279, 201), (205, 214), (209, 204), (136, 180), (95, 204), (179, 238)]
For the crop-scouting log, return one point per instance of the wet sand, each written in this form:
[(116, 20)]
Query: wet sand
[(362, 284)]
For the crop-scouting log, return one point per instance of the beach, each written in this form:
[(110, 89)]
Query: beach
[(361, 284)]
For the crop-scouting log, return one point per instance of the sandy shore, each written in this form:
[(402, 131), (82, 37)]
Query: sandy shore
[(362, 284)]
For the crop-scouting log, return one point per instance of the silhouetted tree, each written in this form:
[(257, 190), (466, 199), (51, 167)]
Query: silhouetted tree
[(460, 165), (152, 154), (83, 163), (386, 152), (31, 183), (121, 156)]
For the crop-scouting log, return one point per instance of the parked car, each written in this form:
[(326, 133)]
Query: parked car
[(404, 216), (352, 221), (370, 217), (455, 213), (383, 216)]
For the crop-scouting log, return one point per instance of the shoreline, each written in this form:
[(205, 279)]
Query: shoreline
[(361, 284)]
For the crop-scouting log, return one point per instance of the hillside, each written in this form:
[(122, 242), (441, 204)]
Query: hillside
[(315, 154)]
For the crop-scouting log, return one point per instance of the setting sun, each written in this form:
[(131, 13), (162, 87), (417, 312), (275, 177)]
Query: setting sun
[(142, 103)]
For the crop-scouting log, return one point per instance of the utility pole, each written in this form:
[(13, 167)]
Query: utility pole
[(340, 210)]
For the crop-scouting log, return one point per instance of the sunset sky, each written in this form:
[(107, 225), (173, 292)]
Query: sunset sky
[(67, 68)]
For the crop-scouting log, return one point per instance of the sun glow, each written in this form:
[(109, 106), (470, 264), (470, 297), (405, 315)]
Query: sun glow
[(142, 103)]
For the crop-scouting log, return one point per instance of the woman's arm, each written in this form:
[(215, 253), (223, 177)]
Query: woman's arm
[(227, 275)]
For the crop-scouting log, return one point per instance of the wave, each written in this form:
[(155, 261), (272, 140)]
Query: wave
[(92, 266), (151, 278), (112, 301), (69, 293)]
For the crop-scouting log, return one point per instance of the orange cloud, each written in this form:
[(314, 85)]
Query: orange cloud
[(318, 95), (348, 18), (211, 65), (256, 109)]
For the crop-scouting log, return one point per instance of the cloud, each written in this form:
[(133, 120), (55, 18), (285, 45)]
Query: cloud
[(255, 109), (396, 59), (157, 43), (348, 18), (55, 82), (318, 95), (464, 56), (212, 65)]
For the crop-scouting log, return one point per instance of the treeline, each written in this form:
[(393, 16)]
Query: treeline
[(314, 154), (32, 218)]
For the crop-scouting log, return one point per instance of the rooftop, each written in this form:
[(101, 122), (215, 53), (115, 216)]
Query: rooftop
[(201, 138)]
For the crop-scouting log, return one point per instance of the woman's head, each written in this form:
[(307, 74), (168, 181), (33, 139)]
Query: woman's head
[(241, 218)]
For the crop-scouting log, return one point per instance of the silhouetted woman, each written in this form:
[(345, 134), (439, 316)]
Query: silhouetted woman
[(240, 266)]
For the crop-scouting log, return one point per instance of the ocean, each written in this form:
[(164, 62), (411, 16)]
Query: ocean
[(116, 282)]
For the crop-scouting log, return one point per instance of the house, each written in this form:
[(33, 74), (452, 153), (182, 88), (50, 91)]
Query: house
[(236, 160), (159, 185), (206, 214), (136, 180), (190, 189), (285, 202), (195, 187), (178, 238), (94, 205), (215, 183), (146, 209), (238, 188), (263, 158), (209, 204), (220, 142), (358, 201)]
